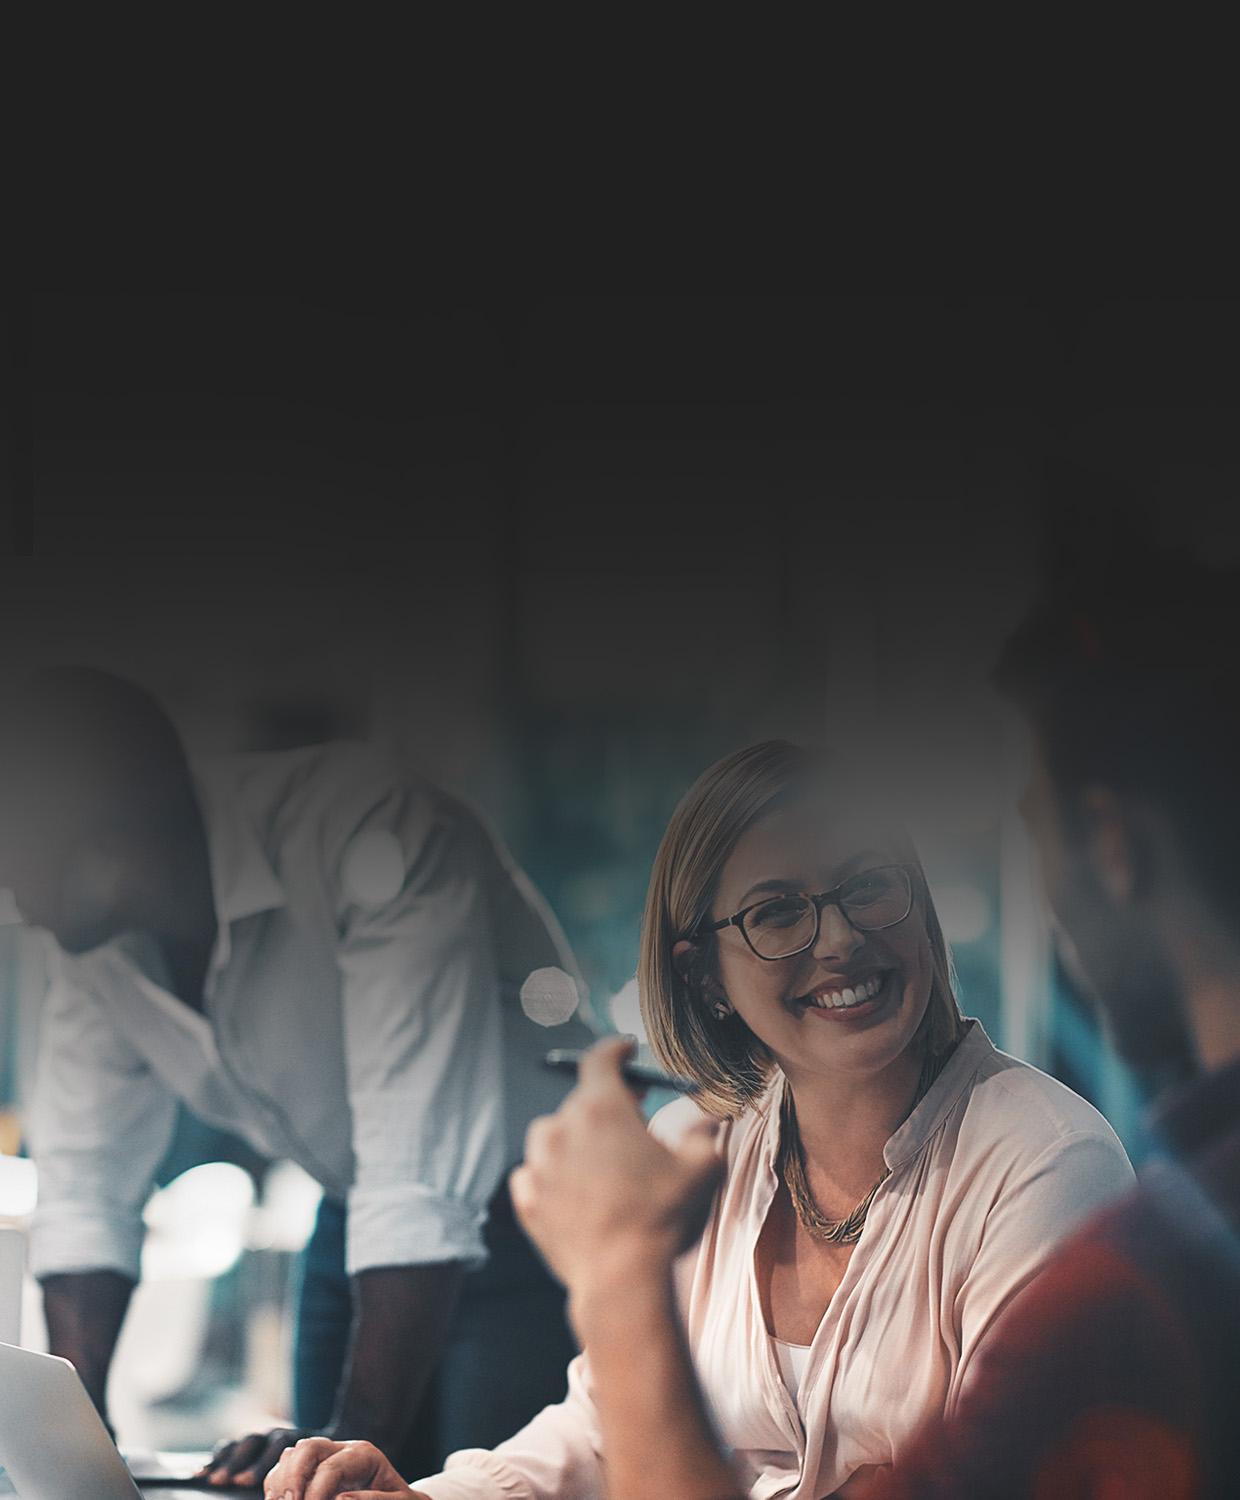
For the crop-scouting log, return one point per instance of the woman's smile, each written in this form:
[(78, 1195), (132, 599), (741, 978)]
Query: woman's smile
[(864, 999)]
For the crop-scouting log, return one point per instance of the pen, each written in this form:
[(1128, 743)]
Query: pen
[(638, 1075)]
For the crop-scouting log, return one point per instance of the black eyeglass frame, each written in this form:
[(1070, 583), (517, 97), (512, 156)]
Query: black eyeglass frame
[(824, 898)]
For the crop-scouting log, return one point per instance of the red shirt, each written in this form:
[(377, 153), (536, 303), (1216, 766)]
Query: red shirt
[(1116, 1375)]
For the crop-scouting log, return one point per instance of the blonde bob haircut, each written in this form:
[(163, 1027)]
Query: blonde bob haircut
[(729, 1064)]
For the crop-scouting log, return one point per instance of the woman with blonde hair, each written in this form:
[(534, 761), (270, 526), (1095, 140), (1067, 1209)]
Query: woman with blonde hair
[(890, 1180)]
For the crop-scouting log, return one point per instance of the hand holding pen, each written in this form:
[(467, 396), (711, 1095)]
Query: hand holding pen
[(598, 1194)]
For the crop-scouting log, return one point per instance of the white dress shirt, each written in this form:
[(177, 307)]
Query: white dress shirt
[(361, 1018)]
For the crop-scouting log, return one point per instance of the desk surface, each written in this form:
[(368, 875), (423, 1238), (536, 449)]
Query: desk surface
[(174, 1465), (195, 1492), (163, 1492)]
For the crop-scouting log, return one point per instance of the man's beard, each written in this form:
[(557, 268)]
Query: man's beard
[(1122, 972)]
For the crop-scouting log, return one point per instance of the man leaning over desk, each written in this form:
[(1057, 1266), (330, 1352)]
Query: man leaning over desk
[(322, 955)]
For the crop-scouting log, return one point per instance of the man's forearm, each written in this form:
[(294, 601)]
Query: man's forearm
[(402, 1315), (657, 1437), (84, 1312)]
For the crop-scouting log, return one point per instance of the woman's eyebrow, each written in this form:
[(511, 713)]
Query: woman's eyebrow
[(763, 886), (867, 857)]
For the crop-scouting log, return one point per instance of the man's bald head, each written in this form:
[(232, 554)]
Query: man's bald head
[(92, 777)]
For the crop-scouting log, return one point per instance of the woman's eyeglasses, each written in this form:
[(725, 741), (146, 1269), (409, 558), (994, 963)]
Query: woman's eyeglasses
[(781, 926)]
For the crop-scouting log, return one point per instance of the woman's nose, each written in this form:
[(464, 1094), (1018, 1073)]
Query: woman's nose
[(837, 938)]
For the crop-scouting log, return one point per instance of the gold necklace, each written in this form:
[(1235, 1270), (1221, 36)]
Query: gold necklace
[(845, 1231)]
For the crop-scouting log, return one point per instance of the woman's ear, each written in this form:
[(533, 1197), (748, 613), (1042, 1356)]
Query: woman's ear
[(684, 953)]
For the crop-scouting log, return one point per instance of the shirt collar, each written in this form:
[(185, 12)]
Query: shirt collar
[(242, 880), (972, 1049), (1191, 1117)]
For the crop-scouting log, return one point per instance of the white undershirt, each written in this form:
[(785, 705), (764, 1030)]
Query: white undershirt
[(792, 1360)]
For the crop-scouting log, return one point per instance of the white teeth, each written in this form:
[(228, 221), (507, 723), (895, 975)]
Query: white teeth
[(841, 999)]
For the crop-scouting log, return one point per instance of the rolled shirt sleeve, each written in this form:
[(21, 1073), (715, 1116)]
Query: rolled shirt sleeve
[(100, 1124), (423, 1036)]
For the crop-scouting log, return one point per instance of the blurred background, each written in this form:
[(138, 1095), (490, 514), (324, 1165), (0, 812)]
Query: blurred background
[(564, 552)]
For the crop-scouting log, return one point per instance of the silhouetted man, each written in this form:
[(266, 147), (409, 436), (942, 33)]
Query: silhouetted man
[(321, 954)]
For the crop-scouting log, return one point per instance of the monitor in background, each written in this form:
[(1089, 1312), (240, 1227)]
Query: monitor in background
[(12, 1275)]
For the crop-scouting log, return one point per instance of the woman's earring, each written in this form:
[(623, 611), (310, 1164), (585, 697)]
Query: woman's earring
[(721, 1010)]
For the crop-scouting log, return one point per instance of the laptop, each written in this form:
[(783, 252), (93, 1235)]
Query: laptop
[(53, 1443)]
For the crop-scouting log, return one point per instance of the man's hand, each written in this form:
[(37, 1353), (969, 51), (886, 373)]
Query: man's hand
[(319, 1469), (598, 1195), (610, 1209), (245, 1462)]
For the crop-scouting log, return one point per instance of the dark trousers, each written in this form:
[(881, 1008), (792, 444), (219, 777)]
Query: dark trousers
[(507, 1353)]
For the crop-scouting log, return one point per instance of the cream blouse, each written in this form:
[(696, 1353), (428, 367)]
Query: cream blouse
[(994, 1167)]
